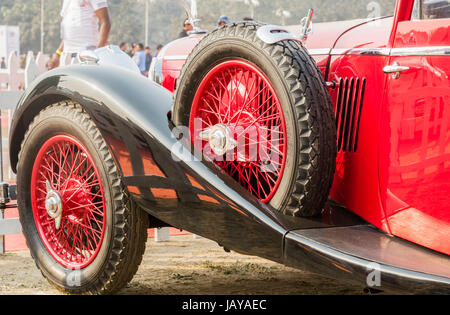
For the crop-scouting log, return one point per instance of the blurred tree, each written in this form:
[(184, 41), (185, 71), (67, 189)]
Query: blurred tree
[(26, 14)]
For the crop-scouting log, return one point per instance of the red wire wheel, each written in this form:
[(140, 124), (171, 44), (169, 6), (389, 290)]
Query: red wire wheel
[(238, 99), (65, 170)]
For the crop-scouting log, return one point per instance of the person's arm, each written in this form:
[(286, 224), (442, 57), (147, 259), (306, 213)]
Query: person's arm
[(148, 61), (56, 59), (140, 60), (105, 26)]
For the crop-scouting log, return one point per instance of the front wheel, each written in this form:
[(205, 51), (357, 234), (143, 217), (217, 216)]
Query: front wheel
[(84, 233), (262, 113)]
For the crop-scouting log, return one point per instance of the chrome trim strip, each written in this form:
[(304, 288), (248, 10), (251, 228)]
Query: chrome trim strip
[(361, 51), (350, 51), (176, 57), (319, 51), (421, 51), (408, 51), (339, 51)]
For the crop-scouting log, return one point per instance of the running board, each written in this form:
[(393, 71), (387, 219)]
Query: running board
[(370, 257)]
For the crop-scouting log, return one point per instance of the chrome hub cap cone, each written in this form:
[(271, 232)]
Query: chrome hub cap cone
[(53, 205), (219, 139)]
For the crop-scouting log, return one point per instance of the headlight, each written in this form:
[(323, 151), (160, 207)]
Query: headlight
[(155, 71)]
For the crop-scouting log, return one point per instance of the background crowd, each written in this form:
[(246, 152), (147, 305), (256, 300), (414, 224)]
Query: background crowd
[(143, 56)]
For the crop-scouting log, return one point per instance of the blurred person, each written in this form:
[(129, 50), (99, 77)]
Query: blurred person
[(158, 50), (80, 27), (223, 20), (126, 49), (133, 51), (123, 47), (3, 63), (148, 60), (140, 58), (49, 60), (187, 27)]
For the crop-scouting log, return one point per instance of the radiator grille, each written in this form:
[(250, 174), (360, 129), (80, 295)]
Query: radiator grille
[(348, 112)]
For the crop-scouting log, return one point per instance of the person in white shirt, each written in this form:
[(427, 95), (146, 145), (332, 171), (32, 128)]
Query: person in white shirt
[(80, 27)]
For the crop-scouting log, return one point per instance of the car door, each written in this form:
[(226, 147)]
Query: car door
[(415, 139)]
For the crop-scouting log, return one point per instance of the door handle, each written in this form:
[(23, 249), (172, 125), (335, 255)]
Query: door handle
[(395, 70)]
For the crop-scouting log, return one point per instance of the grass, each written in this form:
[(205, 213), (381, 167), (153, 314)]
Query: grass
[(239, 268)]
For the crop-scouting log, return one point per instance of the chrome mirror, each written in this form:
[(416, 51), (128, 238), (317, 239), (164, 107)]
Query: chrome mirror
[(88, 57), (306, 23)]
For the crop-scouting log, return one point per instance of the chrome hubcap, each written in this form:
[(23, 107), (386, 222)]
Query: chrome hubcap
[(219, 139), (53, 205)]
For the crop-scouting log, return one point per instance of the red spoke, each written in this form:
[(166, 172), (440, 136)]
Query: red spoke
[(236, 89), (248, 91), (97, 222), (253, 123), (72, 168), (84, 206), (214, 112)]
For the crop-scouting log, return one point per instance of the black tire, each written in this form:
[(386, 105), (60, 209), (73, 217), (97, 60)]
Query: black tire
[(125, 234), (306, 105)]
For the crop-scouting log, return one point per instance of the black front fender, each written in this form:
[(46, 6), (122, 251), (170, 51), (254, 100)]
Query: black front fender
[(99, 89)]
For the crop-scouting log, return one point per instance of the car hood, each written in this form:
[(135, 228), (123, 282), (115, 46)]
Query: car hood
[(326, 35), (180, 48)]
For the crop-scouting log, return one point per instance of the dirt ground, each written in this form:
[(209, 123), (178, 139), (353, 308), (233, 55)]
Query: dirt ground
[(185, 265)]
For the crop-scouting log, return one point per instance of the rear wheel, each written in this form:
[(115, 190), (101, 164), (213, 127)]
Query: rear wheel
[(262, 113), (84, 233)]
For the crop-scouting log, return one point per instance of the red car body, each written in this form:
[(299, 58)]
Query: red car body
[(393, 130)]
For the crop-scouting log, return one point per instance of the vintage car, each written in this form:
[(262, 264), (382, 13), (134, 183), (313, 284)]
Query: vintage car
[(324, 147)]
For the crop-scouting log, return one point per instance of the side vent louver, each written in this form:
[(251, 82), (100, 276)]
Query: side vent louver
[(348, 112)]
